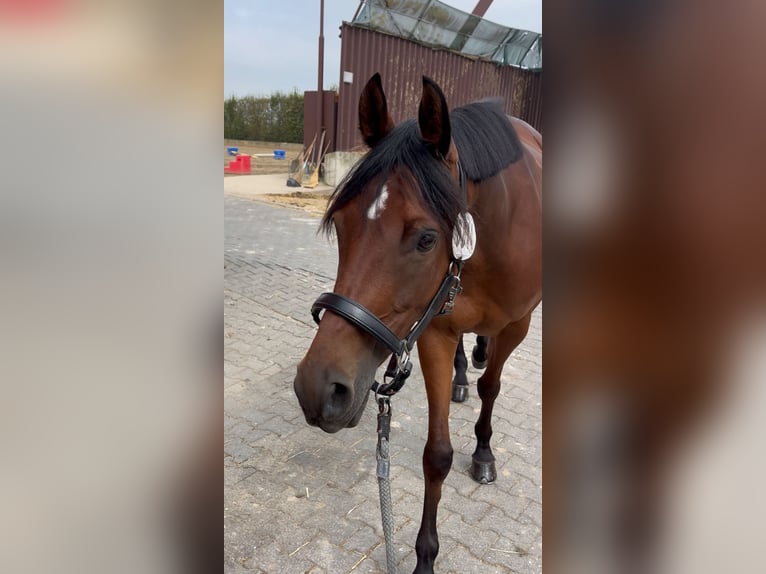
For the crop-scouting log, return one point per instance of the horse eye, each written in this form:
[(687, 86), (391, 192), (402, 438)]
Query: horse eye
[(426, 241)]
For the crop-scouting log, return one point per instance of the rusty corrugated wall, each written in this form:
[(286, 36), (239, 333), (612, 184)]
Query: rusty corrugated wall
[(311, 127), (402, 64)]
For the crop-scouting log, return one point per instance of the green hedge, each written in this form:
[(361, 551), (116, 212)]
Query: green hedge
[(274, 118)]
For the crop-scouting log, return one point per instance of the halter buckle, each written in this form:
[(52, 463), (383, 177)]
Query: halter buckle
[(455, 289), (399, 369), (403, 361), (449, 304)]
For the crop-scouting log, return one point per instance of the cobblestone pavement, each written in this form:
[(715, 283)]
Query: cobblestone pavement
[(299, 500)]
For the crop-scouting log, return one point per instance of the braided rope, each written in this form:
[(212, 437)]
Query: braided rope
[(384, 484)]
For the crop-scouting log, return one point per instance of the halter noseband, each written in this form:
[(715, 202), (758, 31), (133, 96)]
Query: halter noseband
[(400, 366)]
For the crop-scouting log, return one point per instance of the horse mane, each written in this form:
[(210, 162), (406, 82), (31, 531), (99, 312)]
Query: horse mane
[(485, 139), (486, 142)]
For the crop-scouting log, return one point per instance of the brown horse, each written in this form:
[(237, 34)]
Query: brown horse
[(397, 216)]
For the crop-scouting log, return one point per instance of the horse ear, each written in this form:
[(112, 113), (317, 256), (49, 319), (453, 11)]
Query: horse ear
[(433, 117), (374, 121)]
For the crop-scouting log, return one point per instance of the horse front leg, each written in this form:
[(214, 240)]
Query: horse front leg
[(483, 468), (436, 352)]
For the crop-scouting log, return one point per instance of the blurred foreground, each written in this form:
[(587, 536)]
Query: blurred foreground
[(655, 275), (110, 243)]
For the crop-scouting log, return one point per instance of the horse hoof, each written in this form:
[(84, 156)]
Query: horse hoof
[(477, 364), (483, 472), (459, 393)]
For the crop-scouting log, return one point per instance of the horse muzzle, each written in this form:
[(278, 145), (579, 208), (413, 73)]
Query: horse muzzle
[(331, 403), (332, 399)]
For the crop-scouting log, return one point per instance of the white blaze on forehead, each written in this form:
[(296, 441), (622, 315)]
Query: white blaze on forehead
[(377, 206)]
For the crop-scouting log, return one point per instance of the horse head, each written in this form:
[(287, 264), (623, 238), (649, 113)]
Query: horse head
[(393, 216)]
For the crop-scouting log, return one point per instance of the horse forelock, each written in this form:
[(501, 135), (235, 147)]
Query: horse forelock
[(486, 142), (402, 152)]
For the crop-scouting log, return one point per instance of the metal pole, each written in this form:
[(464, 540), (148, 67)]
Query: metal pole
[(481, 8), (320, 73), (358, 8), (470, 25)]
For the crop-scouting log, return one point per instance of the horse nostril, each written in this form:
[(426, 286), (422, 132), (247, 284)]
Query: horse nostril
[(339, 390), (338, 400)]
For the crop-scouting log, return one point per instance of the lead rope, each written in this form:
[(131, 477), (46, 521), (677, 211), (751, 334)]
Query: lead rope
[(384, 485), (398, 370)]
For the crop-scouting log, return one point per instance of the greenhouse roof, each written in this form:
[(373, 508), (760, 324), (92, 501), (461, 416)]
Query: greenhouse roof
[(438, 25)]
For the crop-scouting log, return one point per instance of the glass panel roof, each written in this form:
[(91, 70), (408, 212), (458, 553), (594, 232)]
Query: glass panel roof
[(438, 25)]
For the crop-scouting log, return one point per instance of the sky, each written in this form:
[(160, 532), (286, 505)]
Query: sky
[(272, 46)]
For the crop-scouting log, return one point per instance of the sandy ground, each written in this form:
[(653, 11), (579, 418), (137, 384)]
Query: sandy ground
[(313, 203), (273, 189)]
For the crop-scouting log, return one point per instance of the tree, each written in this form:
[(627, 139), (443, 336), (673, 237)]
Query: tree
[(277, 117)]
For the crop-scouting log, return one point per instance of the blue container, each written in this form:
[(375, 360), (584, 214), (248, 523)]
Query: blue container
[(279, 154), (232, 150)]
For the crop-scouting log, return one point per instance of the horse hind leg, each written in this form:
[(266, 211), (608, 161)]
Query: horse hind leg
[(479, 353), (460, 382), (483, 467), (479, 361)]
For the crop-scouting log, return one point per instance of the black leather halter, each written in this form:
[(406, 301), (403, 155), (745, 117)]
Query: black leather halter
[(400, 366)]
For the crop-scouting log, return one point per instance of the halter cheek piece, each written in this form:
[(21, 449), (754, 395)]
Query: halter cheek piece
[(400, 366)]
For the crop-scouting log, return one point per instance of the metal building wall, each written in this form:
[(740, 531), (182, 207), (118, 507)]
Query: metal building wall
[(311, 127), (402, 64)]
